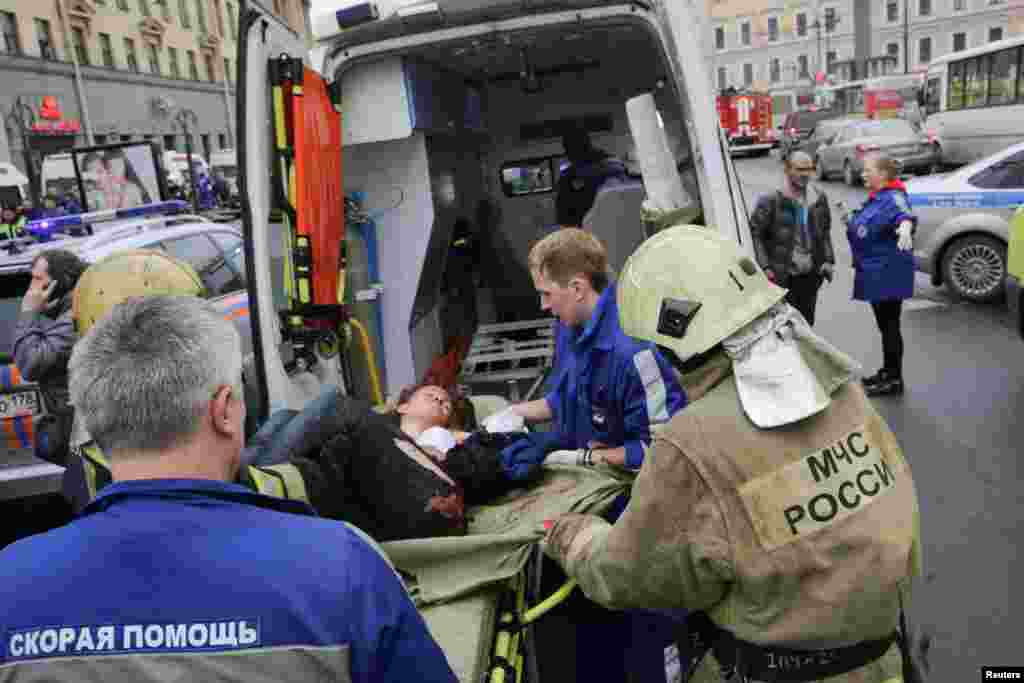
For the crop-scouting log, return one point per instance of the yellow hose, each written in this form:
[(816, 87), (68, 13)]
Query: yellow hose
[(553, 600), (371, 360)]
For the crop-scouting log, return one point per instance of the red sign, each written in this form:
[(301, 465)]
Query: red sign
[(65, 126), (49, 109)]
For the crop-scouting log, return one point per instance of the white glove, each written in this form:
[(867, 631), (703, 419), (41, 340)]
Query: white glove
[(906, 238), (505, 421), (573, 457)]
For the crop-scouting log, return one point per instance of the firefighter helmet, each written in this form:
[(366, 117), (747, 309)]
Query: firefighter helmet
[(687, 288), (126, 274)]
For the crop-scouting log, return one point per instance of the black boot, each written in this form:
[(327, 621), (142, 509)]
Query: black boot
[(887, 384)]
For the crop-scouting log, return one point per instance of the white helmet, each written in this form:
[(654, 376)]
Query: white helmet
[(687, 289)]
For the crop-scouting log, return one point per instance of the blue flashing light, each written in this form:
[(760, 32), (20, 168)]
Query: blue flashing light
[(355, 15), (44, 229)]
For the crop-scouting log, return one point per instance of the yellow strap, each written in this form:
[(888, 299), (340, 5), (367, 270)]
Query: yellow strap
[(280, 481), (93, 461), (267, 484)]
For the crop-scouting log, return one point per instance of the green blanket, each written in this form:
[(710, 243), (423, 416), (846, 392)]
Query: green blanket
[(439, 570)]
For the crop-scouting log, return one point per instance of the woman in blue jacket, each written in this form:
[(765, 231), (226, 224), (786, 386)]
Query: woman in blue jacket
[(881, 240)]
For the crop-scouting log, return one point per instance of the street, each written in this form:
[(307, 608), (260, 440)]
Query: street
[(958, 426)]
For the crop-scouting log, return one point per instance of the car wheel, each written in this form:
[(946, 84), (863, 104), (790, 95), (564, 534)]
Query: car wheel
[(849, 175), (974, 267), (820, 170)]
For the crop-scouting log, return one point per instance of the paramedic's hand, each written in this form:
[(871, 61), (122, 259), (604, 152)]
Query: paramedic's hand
[(827, 271), (603, 453), (35, 300), (906, 236)]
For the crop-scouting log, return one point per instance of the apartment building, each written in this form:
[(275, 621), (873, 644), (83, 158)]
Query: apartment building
[(135, 57)]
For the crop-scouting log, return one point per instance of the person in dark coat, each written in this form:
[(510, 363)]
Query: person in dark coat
[(578, 184), (792, 235), (881, 240)]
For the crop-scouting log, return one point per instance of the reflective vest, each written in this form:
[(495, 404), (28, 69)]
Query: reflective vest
[(277, 481)]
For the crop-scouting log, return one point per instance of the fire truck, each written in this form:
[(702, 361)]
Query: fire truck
[(746, 118)]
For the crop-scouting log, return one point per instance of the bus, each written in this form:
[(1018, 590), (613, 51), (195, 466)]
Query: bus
[(973, 101), (882, 97)]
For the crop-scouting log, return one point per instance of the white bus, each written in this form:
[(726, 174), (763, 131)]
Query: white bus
[(974, 101)]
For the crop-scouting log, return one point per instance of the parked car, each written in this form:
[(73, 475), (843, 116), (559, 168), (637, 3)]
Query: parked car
[(1015, 270), (213, 249), (963, 227), (845, 152), (822, 132), (798, 125)]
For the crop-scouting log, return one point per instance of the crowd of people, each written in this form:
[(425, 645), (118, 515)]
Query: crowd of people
[(771, 531)]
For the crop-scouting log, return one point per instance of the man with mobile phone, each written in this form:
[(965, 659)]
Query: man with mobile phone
[(43, 339)]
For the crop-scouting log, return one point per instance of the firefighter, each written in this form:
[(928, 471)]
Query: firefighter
[(778, 507)]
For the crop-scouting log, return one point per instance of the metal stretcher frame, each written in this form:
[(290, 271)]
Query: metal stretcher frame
[(496, 360)]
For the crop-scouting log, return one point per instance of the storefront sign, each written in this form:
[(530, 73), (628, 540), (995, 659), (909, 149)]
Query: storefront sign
[(50, 119)]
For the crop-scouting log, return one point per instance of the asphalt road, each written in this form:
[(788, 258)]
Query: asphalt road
[(959, 425)]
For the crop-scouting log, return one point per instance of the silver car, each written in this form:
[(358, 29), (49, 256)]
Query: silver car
[(963, 224), (844, 153)]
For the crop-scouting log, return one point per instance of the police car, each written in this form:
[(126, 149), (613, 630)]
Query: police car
[(213, 249), (963, 225)]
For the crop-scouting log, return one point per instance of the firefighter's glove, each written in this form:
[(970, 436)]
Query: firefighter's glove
[(906, 236), (522, 459)]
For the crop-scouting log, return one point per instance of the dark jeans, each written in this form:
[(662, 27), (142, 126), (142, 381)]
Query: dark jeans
[(887, 314), (803, 294)]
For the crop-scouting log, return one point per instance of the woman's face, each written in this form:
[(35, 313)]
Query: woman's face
[(873, 178), (430, 403)]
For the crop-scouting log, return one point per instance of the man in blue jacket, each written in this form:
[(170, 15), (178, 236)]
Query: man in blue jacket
[(609, 392), (172, 573)]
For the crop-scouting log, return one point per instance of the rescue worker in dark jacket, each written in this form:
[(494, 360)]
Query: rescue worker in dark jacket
[(777, 506), (792, 235), (190, 576), (578, 184), (881, 235), (43, 339)]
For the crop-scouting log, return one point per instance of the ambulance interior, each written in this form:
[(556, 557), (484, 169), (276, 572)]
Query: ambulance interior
[(460, 142)]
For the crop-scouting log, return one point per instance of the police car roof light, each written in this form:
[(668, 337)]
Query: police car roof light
[(357, 14), (49, 226)]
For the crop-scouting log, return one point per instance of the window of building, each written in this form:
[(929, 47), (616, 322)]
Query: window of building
[(748, 74), (924, 50), (719, 38), (745, 33), (172, 61), (45, 39), (201, 16), (80, 46), (831, 19), (107, 50), (205, 140), (801, 24), (232, 19), (144, 8), (924, 8), (154, 60), (222, 140), (9, 24), (129, 55), (892, 11), (193, 70), (186, 19), (100, 139), (123, 5), (995, 33), (1003, 81), (830, 61), (959, 42), (227, 71), (169, 143), (723, 78), (775, 70), (803, 65), (773, 29), (959, 5), (211, 72)]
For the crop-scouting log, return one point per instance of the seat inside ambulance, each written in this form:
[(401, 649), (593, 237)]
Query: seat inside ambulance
[(467, 132)]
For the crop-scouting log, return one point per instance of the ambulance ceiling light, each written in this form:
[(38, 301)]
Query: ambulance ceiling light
[(355, 15)]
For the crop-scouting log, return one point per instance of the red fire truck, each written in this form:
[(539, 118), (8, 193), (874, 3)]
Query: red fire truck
[(746, 118)]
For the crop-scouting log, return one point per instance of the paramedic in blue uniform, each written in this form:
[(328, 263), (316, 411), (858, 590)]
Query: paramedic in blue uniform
[(881, 235), (578, 184), (610, 391), (171, 559)]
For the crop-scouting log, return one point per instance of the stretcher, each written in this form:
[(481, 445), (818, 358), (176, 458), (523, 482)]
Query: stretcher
[(509, 353)]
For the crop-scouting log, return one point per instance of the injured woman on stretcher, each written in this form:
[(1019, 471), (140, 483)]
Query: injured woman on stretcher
[(406, 472)]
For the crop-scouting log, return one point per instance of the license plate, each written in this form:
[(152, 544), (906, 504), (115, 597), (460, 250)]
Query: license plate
[(20, 403)]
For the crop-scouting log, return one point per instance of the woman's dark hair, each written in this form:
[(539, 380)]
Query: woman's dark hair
[(129, 172), (63, 266)]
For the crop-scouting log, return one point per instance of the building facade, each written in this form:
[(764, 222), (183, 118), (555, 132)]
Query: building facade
[(139, 62), (781, 45)]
